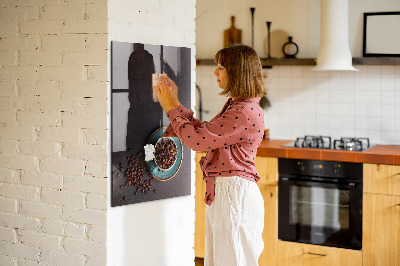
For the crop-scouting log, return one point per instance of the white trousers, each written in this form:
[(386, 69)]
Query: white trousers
[(234, 223)]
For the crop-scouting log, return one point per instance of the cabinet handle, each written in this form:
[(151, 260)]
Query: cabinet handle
[(318, 254), (398, 204)]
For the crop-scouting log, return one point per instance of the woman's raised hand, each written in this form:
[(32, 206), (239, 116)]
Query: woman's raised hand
[(164, 92), (174, 90)]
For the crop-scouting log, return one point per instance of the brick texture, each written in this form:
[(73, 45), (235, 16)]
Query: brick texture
[(86, 184), (17, 191), (97, 234), (53, 113), (8, 234), (41, 179), (75, 230), (6, 260), (7, 175), (19, 250), (19, 221), (63, 197), (8, 205), (54, 79), (34, 239), (84, 247), (84, 216), (61, 258), (53, 227), (62, 166), (37, 209), (94, 201)]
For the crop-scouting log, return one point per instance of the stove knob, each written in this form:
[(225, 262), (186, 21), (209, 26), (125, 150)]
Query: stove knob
[(336, 169), (301, 166)]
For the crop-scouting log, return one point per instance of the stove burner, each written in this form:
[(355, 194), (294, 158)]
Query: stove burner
[(322, 142), (351, 144)]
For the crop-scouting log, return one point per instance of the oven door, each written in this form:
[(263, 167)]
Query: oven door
[(321, 212)]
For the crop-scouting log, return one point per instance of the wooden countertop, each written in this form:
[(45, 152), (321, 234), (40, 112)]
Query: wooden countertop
[(379, 154)]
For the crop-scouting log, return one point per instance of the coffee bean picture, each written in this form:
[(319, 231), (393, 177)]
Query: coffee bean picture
[(137, 120)]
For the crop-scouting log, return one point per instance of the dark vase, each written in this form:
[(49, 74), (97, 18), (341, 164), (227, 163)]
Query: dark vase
[(290, 49)]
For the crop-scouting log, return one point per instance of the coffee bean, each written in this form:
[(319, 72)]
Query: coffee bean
[(135, 167), (165, 153)]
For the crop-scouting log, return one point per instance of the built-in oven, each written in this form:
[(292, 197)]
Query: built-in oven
[(320, 202)]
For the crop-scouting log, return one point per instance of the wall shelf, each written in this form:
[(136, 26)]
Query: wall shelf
[(376, 61), (312, 61)]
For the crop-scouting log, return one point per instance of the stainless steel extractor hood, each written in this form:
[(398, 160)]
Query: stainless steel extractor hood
[(334, 51)]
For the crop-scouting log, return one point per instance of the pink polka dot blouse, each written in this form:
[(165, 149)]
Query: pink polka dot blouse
[(231, 139)]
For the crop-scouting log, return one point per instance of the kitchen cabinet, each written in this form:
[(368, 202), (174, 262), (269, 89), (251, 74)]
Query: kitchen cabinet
[(381, 179), (200, 207), (381, 230), (381, 215), (381, 221), (270, 233), (267, 167), (298, 254)]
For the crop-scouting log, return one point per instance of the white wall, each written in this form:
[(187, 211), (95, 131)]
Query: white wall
[(338, 104), (159, 232)]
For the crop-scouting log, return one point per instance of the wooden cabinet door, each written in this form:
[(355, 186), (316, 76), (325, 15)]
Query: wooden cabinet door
[(200, 207), (270, 233), (267, 168), (297, 254), (381, 230), (381, 179)]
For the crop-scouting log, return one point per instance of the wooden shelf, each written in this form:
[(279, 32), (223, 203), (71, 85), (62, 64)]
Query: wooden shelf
[(267, 63), (312, 61), (376, 61), (288, 62)]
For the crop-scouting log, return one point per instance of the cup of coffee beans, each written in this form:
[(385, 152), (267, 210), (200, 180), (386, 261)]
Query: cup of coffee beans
[(165, 153)]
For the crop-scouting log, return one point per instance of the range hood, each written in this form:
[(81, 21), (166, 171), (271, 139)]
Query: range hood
[(334, 51)]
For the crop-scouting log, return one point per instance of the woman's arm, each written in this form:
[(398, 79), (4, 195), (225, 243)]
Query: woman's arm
[(188, 114), (228, 129)]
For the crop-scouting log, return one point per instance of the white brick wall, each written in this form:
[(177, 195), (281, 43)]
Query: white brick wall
[(53, 55), (8, 234), (75, 230), (53, 126)]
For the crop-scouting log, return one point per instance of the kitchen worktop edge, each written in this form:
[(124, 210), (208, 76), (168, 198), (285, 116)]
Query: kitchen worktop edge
[(379, 154)]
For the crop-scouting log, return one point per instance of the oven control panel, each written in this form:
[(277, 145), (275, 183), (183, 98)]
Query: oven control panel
[(331, 169)]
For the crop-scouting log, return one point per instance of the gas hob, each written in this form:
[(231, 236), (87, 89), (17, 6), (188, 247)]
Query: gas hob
[(325, 142)]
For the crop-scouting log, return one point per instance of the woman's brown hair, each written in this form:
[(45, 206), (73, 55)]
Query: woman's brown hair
[(245, 78)]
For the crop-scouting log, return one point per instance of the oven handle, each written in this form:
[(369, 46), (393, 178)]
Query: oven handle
[(298, 181)]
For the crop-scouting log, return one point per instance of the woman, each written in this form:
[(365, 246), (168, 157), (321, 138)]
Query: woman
[(235, 207)]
